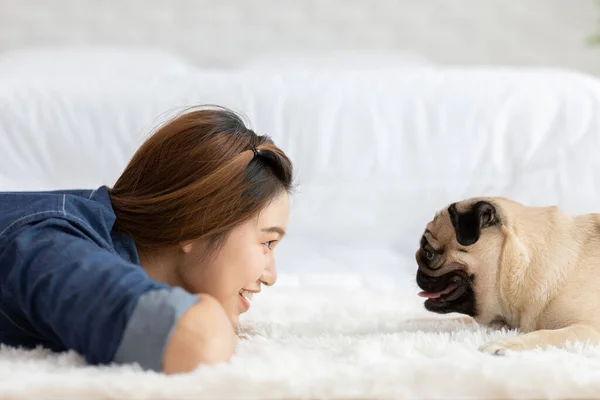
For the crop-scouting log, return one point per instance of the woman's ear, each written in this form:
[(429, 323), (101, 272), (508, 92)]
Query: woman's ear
[(186, 247)]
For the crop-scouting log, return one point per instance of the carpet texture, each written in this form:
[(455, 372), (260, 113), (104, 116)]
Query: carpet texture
[(331, 343)]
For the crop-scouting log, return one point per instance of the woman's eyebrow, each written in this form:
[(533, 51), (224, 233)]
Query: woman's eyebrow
[(274, 229)]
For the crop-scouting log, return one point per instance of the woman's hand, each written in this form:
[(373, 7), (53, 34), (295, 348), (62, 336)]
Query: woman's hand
[(203, 335)]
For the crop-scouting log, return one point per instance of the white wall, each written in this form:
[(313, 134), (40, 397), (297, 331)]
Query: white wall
[(228, 32)]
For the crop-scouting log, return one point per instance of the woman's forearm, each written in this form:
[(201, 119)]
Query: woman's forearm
[(203, 335)]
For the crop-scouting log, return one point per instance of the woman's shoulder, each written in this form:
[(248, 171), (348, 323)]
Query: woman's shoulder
[(89, 209)]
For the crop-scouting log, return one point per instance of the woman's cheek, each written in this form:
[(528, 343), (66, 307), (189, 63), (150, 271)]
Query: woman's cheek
[(255, 269)]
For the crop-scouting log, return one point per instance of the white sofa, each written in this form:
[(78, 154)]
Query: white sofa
[(377, 150)]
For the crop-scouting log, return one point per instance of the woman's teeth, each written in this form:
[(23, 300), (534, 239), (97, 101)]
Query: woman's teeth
[(247, 295)]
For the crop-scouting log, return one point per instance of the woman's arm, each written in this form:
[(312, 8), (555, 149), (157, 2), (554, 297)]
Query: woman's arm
[(81, 296), (203, 335)]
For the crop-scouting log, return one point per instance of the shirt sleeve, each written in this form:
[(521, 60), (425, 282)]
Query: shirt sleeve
[(87, 298)]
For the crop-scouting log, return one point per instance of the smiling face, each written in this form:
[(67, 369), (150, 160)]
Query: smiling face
[(242, 264), (459, 254)]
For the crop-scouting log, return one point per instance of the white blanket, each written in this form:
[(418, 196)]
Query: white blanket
[(328, 342)]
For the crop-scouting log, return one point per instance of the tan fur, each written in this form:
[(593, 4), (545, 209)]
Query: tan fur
[(539, 271)]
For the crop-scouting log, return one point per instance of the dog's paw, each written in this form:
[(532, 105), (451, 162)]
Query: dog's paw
[(501, 346)]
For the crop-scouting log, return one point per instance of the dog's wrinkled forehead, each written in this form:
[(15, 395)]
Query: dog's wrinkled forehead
[(439, 232), (463, 221)]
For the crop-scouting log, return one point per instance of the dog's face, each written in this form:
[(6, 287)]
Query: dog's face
[(459, 256)]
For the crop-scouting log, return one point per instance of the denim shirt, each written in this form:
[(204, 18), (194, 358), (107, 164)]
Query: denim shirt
[(70, 281)]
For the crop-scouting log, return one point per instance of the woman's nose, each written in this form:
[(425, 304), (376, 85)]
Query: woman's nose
[(269, 276)]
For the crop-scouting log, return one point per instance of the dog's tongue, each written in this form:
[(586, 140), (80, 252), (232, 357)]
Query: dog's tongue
[(438, 294)]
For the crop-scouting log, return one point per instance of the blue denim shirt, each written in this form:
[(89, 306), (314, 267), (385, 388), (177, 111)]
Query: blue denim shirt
[(69, 280)]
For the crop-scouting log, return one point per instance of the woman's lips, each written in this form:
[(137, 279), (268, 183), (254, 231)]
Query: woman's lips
[(245, 299)]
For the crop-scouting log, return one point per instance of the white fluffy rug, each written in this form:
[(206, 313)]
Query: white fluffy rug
[(328, 343)]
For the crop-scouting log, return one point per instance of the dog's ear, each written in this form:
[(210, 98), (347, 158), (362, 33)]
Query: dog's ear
[(468, 224)]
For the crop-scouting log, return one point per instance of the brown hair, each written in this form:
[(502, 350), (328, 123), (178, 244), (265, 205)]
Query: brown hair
[(197, 177)]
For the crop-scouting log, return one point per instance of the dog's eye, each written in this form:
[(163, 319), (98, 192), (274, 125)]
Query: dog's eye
[(429, 255)]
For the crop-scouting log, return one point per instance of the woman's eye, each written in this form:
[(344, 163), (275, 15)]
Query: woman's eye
[(269, 243)]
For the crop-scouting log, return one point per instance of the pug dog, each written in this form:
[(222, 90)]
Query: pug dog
[(534, 269)]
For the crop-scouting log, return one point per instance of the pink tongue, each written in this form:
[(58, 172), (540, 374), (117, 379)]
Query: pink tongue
[(438, 294)]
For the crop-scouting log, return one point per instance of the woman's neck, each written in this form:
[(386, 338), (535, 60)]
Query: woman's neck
[(161, 265)]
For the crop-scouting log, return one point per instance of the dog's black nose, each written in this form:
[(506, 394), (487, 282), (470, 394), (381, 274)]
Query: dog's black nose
[(423, 280), (431, 283)]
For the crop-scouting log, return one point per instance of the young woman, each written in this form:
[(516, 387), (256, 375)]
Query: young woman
[(157, 269)]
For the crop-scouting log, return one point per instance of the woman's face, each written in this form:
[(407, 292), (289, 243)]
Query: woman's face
[(243, 264)]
